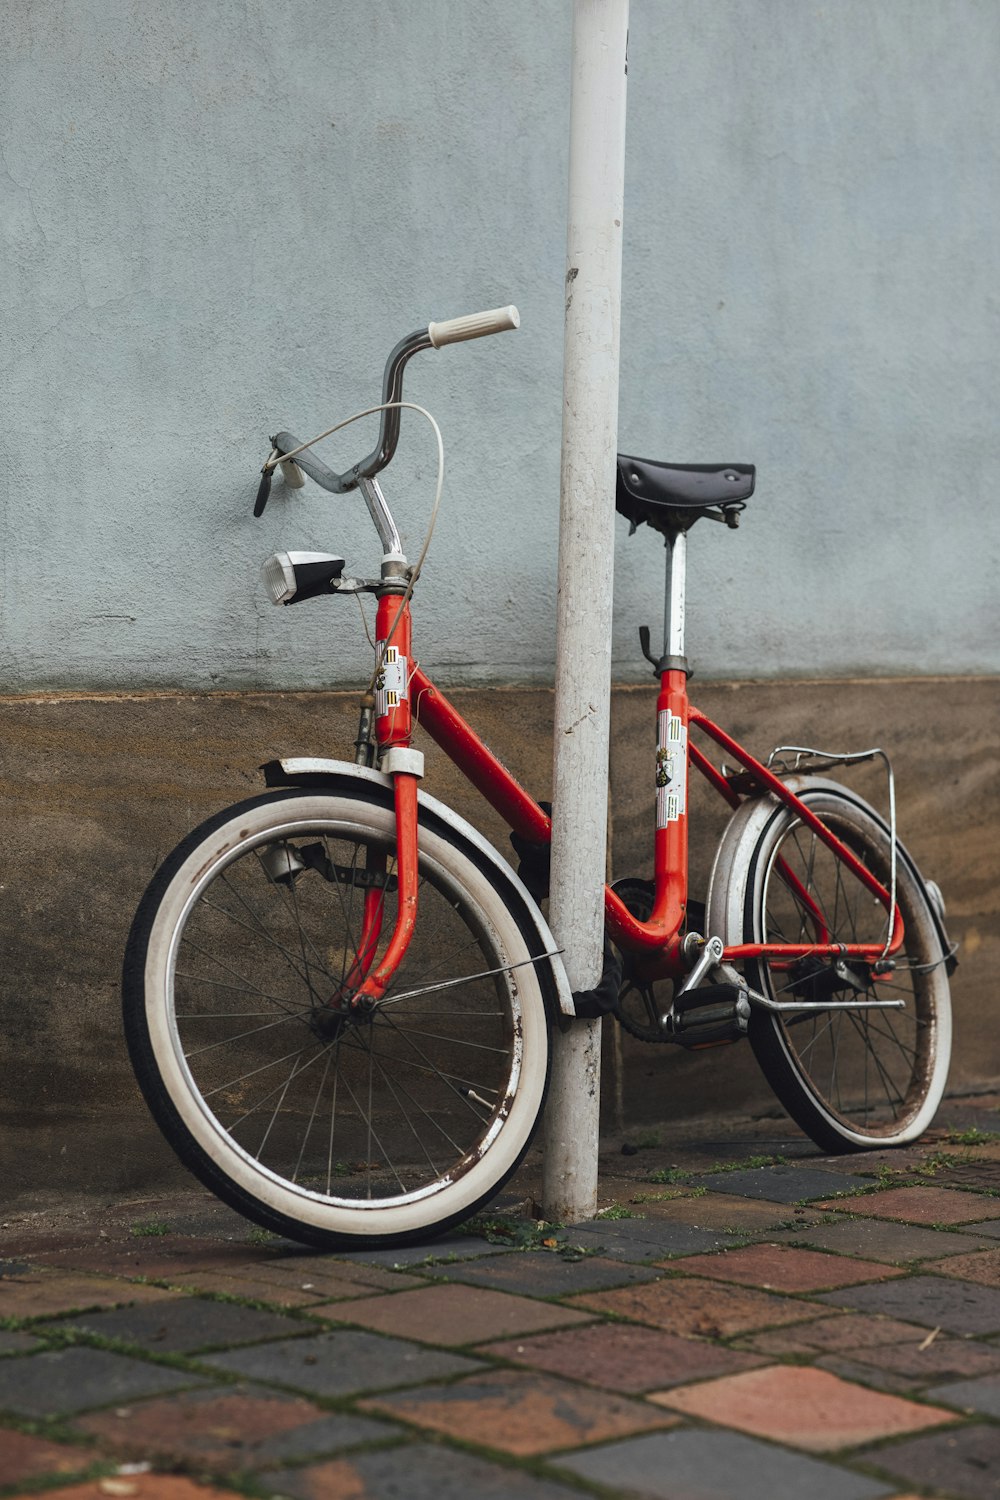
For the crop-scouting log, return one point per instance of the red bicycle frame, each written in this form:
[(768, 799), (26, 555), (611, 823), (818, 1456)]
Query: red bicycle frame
[(408, 694)]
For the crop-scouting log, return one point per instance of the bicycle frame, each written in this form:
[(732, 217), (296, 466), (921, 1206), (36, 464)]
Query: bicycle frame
[(657, 942)]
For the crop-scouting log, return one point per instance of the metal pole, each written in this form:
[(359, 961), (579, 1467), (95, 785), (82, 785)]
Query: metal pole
[(586, 563)]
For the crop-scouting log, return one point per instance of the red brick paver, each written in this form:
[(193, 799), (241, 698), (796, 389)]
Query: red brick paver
[(843, 1333), (455, 1314), (699, 1308), (320, 1270), (43, 1294), (250, 1288), (157, 1256), (337, 1479), (217, 1428), (805, 1408), (623, 1356), (23, 1457), (140, 1487), (521, 1413), (917, 1205), (981, 1266), (781, 1269), (718, 1210)]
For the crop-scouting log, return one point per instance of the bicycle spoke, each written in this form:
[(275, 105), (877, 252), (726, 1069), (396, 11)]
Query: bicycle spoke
[(866, 1066), (436, 1070)]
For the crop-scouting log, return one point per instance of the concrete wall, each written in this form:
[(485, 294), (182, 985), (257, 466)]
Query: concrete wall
[(219, 218), (94, 792)]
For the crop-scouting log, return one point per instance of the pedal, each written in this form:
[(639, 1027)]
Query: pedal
[(708, 1016)]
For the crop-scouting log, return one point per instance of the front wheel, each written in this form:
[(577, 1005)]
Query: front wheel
[(853, 1079), (327, 1125)]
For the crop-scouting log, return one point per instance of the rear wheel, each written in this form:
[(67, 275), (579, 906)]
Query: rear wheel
[(318, 1122), (852, 1079)]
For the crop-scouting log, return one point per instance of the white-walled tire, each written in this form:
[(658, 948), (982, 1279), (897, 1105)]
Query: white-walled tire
[(333, 1129), (852, 1079)]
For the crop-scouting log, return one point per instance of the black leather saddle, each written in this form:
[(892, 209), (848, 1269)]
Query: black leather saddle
[(671, 497)]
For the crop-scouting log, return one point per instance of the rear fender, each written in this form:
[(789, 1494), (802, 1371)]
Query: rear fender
[(727, 885)]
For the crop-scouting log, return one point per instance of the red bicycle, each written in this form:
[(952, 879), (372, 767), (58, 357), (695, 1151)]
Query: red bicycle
[(338, 996)]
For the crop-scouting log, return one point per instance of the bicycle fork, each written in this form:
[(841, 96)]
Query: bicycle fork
[(393, 730)]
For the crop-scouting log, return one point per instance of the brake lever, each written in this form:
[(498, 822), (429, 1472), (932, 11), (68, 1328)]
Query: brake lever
[(263, 491)]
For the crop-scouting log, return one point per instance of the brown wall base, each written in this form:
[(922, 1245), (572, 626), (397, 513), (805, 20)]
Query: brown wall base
[(96, 791)]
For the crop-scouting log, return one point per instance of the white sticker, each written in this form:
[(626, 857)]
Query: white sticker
[(391, 684), (671, 769)]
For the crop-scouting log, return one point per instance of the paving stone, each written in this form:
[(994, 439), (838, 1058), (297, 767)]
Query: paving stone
[(457, 1314), (871, 1375), (872, 1163), (329, 1277), (230, 1284), (623, 1356), (416, 1472), (781, 1184), (982, 1396), (712, 1465), (883, 1344), (802, 1408), (885, 1240), (70, 1380), (725, 1211), (988, 1227), (645, 1239), (143, 1487), (982, 1267), (186, 1324), (16, 1343), (238, 1429), (448, 1247), (963, 1463), (944, 1357), (520, 1412), (974, 1174), (536, 1274), (847, 1332), (698, 1308), (932, 1301), (341, 1363), (781, 1269), (918, 1205), (157, 1257), (43, 1294), (23, 1457)]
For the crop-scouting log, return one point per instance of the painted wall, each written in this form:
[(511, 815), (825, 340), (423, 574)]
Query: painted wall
[(218, 219)]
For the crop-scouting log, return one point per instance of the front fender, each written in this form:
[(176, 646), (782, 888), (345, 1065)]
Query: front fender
[(337, 775)]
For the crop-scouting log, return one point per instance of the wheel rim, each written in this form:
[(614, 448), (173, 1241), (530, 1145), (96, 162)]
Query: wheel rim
[(373, 1112), (869, 1071)]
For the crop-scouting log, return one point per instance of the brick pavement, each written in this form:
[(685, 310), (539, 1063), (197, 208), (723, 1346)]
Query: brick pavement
[(752, 1319)]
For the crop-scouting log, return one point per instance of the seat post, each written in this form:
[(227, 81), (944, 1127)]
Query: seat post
[(673, 611)]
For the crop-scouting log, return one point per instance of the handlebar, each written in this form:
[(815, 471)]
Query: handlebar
[(434, 336), (475, 326)]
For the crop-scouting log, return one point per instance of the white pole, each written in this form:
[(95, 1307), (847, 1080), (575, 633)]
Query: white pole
[(586, 565)]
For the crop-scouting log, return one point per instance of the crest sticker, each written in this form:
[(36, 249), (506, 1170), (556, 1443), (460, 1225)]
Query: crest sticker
[(671, 769)]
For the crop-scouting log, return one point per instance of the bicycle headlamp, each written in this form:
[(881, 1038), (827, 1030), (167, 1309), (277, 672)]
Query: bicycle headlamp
[(290, 576)]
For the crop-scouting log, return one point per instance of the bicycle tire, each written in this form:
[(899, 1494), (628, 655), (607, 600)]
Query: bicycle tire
[(329, 1129), (853, 1080)]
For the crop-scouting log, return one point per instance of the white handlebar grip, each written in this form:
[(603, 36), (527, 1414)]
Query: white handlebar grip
[(291, 473), (475, 326)]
